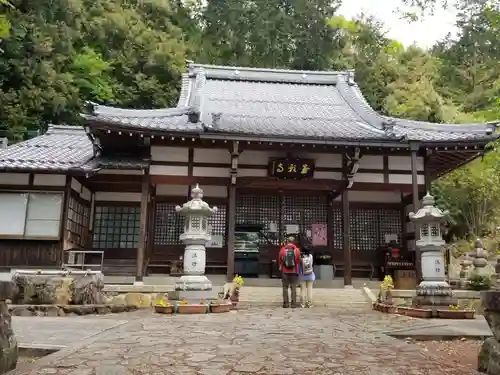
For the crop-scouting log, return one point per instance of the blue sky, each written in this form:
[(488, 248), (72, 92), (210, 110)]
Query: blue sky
[(425, 33)]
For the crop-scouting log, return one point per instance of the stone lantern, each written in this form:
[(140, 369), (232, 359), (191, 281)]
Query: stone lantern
[(196, 234), (434, 290)]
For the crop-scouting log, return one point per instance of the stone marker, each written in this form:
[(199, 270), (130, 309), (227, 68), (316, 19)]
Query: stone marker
[(8, 343)]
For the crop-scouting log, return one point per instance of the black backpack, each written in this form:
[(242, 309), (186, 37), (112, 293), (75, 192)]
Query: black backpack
[(289, 258)]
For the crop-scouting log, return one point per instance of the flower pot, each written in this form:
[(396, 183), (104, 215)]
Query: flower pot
[(455, 314), (391, 309), (401, 310), (220, 307), (418, 313), (192, 309), (163, 309)]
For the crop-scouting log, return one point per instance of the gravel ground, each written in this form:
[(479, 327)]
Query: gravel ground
[(462, 352)]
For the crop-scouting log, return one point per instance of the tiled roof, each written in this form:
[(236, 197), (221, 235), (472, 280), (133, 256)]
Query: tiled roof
[(281, 103), (124, 162), (60, 149)]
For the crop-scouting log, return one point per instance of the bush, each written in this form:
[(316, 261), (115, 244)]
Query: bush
[(478, 282)]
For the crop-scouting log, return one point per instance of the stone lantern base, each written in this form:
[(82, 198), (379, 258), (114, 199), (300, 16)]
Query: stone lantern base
[(194, 287), (434, 294)]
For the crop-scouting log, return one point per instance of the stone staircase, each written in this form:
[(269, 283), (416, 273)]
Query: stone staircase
[(347, 298), (119, 267)]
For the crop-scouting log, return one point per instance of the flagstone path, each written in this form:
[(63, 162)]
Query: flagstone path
[(264, 341)]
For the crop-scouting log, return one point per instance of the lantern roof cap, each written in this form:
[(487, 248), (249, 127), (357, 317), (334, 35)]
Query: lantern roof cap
[(196, 206), (429, 212)]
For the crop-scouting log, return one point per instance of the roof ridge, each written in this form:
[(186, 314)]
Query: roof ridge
[(268, 75), (104, 110)]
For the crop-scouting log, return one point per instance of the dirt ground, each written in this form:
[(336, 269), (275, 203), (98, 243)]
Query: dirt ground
[(463, 352)]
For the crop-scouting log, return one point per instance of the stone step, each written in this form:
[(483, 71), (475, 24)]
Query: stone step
[(320, 296)]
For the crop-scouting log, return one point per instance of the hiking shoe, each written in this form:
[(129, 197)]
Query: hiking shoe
[(286, 305)]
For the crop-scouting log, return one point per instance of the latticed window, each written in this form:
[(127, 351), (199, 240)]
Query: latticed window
[(260, 210), (303, 211), (169, 225), (217, 222), (116, 227), (337, 227), (389, 223), (78, 221), (369, 226)]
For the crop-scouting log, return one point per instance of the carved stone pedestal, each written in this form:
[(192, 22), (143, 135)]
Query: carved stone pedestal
[(8, 343), (489, 355)]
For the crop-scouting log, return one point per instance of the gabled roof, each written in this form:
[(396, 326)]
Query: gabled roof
[(281, 103), (60, 149)]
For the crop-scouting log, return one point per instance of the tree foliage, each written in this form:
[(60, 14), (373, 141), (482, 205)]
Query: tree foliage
[(56, 54)]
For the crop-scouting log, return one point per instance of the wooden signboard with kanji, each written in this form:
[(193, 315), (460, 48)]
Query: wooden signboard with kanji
[(291, 168)]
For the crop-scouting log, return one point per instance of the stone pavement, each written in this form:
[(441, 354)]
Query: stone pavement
[(58, 332), (265, 341)]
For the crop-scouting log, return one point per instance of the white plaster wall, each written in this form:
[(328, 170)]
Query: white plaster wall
[(182, 190), (247, 172), (168, 170), (369, 177), (371, 162), (49, 180), (14, 178), (404, 163), (172, 190), (117, 197), (258, 157), (178, 154), (86, 194), (210, 172), (373, 196), (210, 155), (76, 186), (405, 179), (328, 175)]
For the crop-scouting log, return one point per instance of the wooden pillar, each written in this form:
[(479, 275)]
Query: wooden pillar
[(64, 224), (150, 228), (427, 174), (416, 205), (143, 228), (346, 233), (231, 211)]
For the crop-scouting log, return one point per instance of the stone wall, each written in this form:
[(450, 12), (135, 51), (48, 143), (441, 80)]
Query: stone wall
[(8, 343)]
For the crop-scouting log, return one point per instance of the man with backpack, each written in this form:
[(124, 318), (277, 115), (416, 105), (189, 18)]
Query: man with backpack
[(289, 260)]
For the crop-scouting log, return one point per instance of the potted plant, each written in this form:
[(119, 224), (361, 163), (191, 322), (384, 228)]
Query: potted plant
[(184, 307), (387, 286), (220, 306), (163, 307), (455, 312), (233, 294)]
